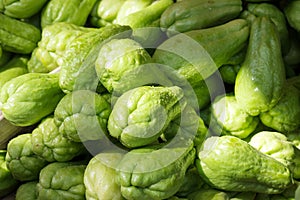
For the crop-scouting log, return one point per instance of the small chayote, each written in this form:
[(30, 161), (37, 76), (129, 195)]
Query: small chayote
[(49, 143), (27, 191), (28, 98), (82, 115), (229, 118), (140, 116), (21, 161), (61, 180), (100, 177)]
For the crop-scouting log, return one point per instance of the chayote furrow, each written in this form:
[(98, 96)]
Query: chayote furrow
[(260, 80), (17, 36)]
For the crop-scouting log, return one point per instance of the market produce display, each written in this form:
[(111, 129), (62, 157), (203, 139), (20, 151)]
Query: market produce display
[(150, 99)]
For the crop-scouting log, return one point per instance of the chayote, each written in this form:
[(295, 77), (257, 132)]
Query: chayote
[(140, 116), (7, 183), (277, 146), (21, 8), (285, 115), (231, 164), (100, 177), (50, 144), (276, 15), (184, 15), (120, 61), (153, 173), (230, 118), (72, 11), (211, 194), (61, 180), (78, 64), (260, 80), (15, 67), (21, 161), (17, 36), (292, 14), (28, 98), (55, 39), (229, 72), (27, 191), (82, 115)]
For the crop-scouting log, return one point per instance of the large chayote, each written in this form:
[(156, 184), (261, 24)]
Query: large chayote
[(49, 143), (229, 117), (285, 115), (21, 161), (277, 146), (13, 68), (100, 177), (260, 80), (28, 98), (7, 182), (61, 180), (21, 8), (27, 191), (78, 65), (153, 173), (72, 11), (82, 115), (140, 116), (56, 37), (123, 64), (229, 163)]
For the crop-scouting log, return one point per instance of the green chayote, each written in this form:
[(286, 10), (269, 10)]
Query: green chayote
[(77, 67), (72, 11), (54, 41), (231, 164), (211, 194), (21, 8), (100, 177), (28, 98), (141, 115), (50, 144), (229, 72), (21, 161), (15, 67), (277, 146), (291, 11), (123, 64), (229, 117), (27, 191), (285, 115), (82, 115), (7, 182), (61, 180), (154, 173)]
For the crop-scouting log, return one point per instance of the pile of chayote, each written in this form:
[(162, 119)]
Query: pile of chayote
[(150, 99)]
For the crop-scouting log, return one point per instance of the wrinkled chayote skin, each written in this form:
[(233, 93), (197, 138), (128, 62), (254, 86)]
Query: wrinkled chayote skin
[(82, 115), (21, 8), (100, 177), (72, 11), (49, 53), (27, 191), (155, 173), (231, 164), (21, 161), (141, 115), (7, 182), (61, 180), (28, 98), (78, 65), (15, 67), (230, 118), (277, 146), (50, 144), (285, 115)]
